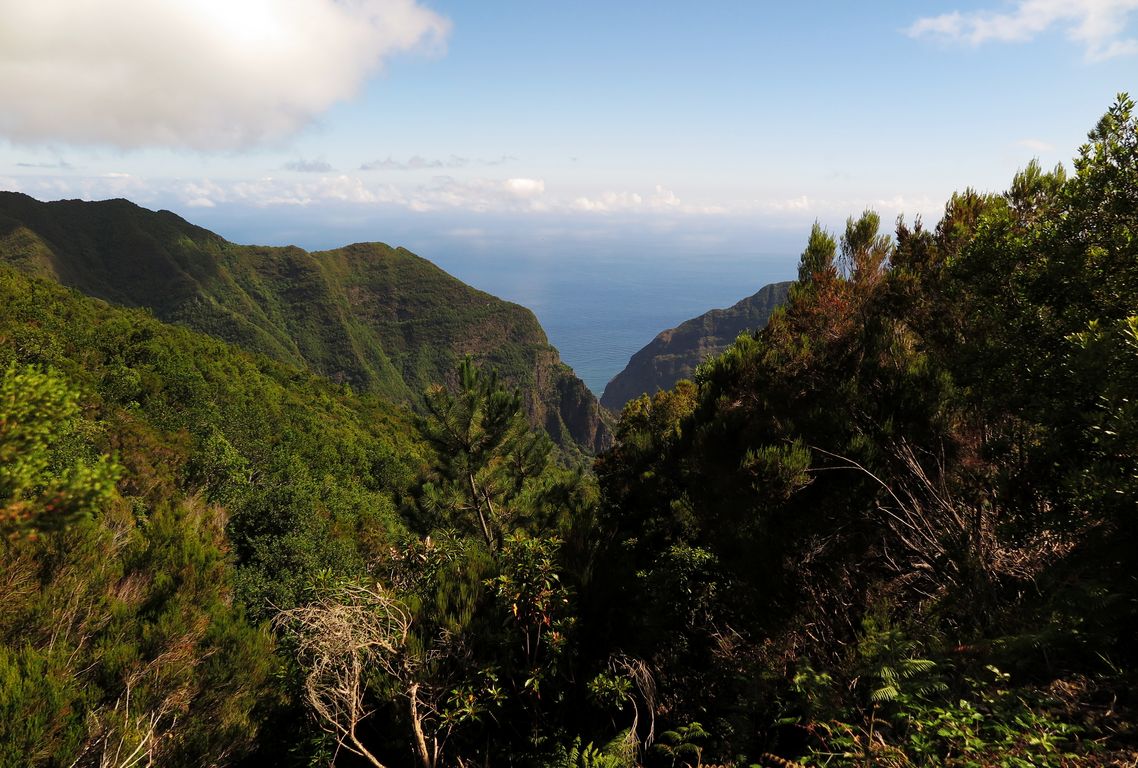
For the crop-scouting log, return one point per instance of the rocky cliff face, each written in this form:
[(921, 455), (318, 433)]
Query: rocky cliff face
[(674, 353), (377, 317)]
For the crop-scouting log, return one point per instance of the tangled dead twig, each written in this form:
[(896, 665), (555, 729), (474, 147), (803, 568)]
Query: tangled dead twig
[(339, 639)]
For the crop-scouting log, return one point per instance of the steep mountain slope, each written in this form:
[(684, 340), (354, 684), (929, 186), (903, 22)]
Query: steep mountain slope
[(377, 317), (675, 353)]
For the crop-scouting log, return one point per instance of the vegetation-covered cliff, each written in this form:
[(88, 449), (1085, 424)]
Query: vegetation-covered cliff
[(379, 318), (675, 353)]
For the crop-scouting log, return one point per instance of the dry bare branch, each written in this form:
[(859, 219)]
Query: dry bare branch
[(638, 672), (339, 637)]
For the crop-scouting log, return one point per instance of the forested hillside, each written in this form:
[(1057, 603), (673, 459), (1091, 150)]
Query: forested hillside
[(894, 527), (379, 318), (140, 463)]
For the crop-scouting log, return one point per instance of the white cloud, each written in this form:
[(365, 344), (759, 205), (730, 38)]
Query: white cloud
[(800, 203), (661, 199), (901, 204), (656, 211), (101, 187), (480, 195), (803, 208), (609, 201), (309, 166), (418, 163), (1099, 25), (500, 160), (525, 187), (202, 194), (1036, 145), (271, 191), (200, 74), (60, 164)]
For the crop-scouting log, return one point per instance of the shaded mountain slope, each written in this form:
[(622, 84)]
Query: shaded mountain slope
[(377, 317), (674, 353)]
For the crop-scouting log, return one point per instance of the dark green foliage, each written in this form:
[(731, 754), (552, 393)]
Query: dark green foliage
[(46, 481), (498, 481), (681, 745), (489, 462), (119, 636), (864, 251), (615, 754), (530, 594), (940, 428), (818, 258), (480, 666)]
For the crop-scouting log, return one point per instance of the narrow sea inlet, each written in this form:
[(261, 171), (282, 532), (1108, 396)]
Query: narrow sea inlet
[(598, 309)]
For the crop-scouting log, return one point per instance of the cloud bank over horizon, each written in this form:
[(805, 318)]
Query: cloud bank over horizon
[(204, 75), (335, 198)]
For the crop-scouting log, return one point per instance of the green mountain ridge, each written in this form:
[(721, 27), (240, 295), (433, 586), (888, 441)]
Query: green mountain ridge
[(379, 318), (675, 353)]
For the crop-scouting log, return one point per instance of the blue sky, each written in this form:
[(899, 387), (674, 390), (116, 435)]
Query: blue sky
[(714, 125)]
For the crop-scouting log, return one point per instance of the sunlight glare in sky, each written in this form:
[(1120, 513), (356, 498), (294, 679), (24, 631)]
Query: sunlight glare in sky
[(245, 22)]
